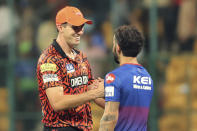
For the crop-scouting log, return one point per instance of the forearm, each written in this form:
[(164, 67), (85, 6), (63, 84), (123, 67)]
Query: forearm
[(70, 101), (107, 126), (100, 102)]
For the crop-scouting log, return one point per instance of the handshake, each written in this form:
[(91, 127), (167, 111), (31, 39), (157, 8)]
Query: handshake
[(98, 87)]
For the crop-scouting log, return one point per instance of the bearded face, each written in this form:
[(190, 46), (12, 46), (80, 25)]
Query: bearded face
[(115, 52)]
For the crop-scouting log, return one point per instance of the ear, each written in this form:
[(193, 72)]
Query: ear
[(59, 27), (118, 48)]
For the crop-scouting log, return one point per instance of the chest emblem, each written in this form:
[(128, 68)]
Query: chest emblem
[(70, 68)]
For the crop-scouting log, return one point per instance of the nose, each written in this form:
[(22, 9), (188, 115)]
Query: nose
[(80, 32)]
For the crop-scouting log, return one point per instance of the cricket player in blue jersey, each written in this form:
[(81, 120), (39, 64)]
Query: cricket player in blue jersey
[(129, 88)]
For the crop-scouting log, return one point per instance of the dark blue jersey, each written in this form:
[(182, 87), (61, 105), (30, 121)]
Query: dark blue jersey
[(132, 86)]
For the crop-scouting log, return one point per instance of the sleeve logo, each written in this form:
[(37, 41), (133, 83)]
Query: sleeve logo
[(48, 67), (50, 78), (109, 91), (110, 78)]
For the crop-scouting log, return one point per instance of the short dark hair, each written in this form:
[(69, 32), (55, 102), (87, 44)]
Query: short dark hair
[(130, 40)]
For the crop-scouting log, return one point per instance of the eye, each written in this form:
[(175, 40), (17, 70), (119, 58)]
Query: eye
[(77, 28)]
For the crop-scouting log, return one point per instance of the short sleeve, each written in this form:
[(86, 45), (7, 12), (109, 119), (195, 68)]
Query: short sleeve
[(49, 74), (112, 88)]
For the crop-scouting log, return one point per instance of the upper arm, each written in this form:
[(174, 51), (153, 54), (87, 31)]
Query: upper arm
[(50, 79), (54, 94), (112, 98), (50, 74), (112, 87), (112, 95)]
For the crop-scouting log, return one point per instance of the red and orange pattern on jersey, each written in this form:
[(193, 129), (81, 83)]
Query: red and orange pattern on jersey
[(56, 69)]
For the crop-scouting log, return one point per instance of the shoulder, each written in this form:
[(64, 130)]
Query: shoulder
[(49, 63), (113, 77), (49, 56), (122, 72), (117, 72)]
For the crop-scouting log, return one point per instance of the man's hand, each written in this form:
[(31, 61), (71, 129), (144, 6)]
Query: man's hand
[(99, 85), (95, 84), (100, 89)]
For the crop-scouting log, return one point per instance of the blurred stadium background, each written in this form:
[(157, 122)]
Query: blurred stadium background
[(170, 55)]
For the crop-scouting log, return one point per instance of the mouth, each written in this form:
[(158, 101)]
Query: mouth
[(77, 38)]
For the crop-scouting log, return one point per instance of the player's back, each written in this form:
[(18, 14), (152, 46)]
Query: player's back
[(133, 88)]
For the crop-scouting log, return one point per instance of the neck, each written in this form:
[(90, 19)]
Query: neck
[(64, 45), (124, 60)]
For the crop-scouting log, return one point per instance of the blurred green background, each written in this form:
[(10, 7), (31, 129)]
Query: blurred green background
[(170, 55)]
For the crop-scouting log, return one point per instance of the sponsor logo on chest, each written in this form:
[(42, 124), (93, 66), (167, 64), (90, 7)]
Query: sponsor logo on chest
[(70, 68), (78, 81)]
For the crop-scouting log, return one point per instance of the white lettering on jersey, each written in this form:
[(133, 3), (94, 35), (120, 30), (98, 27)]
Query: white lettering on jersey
[(142, 80), (135, 86), (109, 91), (143, 83), (81, 80), (50, 78)]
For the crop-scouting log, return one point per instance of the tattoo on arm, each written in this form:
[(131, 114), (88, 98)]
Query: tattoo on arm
[(109, 117)]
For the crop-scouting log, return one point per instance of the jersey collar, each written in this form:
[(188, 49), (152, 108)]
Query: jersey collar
[(59, 49), (130, 64)]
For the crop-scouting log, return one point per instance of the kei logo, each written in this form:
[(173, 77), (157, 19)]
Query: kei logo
[(70, 68), (110, 78)]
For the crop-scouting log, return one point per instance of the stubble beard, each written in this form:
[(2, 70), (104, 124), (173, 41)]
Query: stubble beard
[(116, 58)]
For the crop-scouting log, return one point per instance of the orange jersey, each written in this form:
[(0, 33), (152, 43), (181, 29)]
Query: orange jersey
[(56, 69)]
